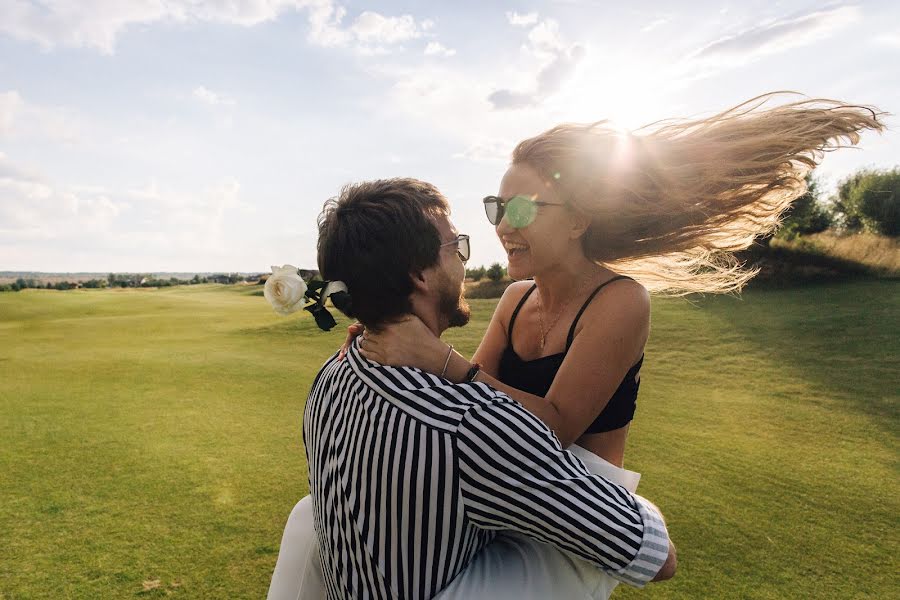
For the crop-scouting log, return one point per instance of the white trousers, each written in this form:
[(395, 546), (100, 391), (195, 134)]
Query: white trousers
[(513, 566)]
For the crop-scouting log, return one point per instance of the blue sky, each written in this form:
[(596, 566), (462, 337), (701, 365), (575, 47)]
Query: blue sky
[(169, 135)]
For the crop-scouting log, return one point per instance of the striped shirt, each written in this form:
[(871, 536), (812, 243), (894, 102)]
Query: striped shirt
[(410, 476)]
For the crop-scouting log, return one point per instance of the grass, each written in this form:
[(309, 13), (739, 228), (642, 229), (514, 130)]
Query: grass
[(151, 440), (868, 252)]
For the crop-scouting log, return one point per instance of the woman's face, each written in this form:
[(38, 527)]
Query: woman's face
[(544, 243)]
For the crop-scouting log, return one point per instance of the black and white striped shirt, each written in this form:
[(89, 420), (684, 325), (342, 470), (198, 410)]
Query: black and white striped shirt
[(411, 476)]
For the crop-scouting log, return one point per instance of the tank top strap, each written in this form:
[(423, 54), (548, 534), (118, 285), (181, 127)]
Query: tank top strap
[(587, 302), (515, 313)]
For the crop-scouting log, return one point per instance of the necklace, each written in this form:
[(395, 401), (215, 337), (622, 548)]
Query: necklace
[(545, 333)]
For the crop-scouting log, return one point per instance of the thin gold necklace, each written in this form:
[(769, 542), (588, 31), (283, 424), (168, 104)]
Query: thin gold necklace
[(559, 313)]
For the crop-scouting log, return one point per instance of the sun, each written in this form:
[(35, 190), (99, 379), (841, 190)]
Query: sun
[(606, 88)]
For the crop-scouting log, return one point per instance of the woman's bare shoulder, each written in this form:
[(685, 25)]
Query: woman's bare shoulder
[(624, 300), (517, 289), (510, 299), (513, 294)]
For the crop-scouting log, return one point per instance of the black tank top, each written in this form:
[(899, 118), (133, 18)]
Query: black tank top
[(536, 376)]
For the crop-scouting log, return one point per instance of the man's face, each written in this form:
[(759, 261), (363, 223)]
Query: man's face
[(450, 275)]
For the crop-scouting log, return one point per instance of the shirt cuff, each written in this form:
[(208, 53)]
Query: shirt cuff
[(654, 548)]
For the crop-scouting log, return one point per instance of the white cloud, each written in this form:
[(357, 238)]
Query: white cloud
[(371, 33), (39, 215), (325, 25), (30, 203), (653, 25), (778, 36), (20, 118), (545, 36), (556, 62), (888, 39), (10, 105), (521, 20), (210, 97), (438, 49), (373, 28), (487, 150), (445, 95), (98, 23)]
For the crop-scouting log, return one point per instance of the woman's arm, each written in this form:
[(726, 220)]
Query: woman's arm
[(496, 337), (613, 331)]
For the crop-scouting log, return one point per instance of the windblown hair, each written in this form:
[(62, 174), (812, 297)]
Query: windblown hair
[(373, 236), (671, 202)]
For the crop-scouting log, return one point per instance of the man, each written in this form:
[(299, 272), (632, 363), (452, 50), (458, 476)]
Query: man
[(411, 475)]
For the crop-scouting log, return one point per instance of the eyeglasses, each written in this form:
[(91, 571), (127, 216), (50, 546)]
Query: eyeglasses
[(462, 246), (520, 210)]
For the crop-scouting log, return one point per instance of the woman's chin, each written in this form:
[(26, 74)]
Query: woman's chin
[(518, 270)]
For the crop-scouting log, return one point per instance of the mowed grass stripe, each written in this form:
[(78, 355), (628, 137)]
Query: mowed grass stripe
[(155, 435)]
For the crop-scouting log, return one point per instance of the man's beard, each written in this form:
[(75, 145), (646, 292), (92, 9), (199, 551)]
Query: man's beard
[(453, 305)]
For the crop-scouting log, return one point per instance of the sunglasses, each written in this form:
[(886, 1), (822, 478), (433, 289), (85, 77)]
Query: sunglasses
[(520, 211), (462, 246)]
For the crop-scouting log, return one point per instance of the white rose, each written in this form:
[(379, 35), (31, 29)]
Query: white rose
[(285, 290)]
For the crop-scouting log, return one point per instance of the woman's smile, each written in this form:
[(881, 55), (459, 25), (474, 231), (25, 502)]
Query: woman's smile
[(514, 249)]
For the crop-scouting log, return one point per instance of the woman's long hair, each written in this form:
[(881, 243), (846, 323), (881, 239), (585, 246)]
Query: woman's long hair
[(671, 202)]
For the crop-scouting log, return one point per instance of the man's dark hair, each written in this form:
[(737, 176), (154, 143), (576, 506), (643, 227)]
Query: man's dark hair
[(373, 236)]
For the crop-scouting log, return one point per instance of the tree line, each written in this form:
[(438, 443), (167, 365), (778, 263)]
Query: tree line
[(126, 280), (495, 272), (867, 201)]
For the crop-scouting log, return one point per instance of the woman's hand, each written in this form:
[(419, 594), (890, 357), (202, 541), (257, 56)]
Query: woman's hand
[(405, 343), (353, 332)]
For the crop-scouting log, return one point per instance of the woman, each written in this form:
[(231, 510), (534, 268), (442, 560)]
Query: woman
[(596, 218), (599, 219)]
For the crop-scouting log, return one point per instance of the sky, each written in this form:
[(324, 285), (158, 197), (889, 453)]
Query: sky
[(205, 135)]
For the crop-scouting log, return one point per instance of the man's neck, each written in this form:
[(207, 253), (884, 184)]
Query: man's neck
[(427, 311)]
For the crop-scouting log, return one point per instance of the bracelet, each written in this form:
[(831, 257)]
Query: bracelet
[(472, 373), (447, 362)]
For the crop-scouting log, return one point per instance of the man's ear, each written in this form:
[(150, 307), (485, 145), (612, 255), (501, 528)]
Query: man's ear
[(420, 282)]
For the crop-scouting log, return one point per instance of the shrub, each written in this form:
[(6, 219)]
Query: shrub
[(870, 200), (475, 274), (807, 215), (495, 272)]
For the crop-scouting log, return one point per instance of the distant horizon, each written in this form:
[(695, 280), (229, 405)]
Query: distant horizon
[(135, 272)]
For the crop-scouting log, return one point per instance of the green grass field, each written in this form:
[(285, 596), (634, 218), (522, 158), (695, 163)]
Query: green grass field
[(150, 440)]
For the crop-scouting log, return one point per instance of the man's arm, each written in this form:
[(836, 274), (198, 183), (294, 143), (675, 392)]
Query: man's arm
[(515, 475), (668, 569)]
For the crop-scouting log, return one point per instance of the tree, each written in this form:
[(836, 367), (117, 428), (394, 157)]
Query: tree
[(807, 214), (495, 272), (475, 274), (870, 200)]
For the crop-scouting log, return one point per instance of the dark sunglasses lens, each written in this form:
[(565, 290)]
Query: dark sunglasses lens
[(463, 249), (493, 209)]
